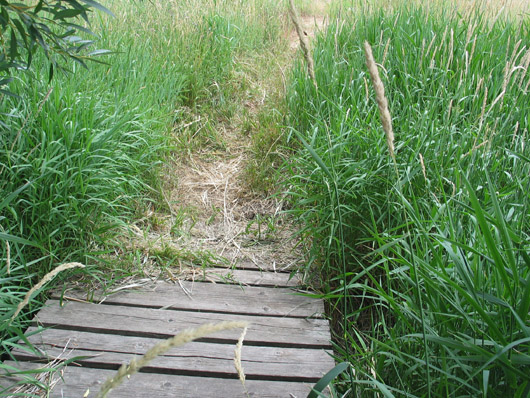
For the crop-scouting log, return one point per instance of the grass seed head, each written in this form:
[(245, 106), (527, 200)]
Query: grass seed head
[(382, 102), (48, 277), (184, 337), (237, 357)]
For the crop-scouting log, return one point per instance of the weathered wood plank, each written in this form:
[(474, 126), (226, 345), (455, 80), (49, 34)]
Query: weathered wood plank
[(147, 322), (248, 264), (269, 363), (202, 296), (77, 380), (245, 277)]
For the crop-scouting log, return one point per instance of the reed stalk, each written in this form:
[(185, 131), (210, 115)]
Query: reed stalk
[(304, 44)]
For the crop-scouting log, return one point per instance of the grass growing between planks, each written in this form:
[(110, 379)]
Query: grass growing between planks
[(79, 157), (425, 261)]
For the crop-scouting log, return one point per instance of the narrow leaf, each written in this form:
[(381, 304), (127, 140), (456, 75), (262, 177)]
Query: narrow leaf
[(99, 52), (98, 6), (314, 155), (13, 194), (16, 239), (13, 47), (68, 13), (328, 378)]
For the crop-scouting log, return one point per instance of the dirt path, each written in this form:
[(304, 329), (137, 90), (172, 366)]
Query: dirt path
[(212, 218)]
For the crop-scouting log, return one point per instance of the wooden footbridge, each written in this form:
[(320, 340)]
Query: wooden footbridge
[(286, 349)]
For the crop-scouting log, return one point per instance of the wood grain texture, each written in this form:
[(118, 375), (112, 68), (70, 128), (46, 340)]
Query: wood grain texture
[(160, 323), (284, 353), (104, 350), (76, 381), (248, 264), (203, 296), (245, 277)]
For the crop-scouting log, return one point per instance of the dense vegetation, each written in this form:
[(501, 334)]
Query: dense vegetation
[(80, 155), (46, 26), (425, 261)]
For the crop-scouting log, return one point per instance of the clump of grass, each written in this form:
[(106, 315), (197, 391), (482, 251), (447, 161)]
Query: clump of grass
[(267, 150), (426, 270)]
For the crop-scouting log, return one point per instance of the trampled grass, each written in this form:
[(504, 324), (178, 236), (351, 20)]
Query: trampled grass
[(426, 269)]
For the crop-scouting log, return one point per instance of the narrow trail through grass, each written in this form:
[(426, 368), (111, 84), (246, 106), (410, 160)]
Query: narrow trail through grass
[(220, 107), (218, 209)]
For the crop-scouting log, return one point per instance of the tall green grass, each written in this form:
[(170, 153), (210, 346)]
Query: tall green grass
[(76, 159), (79, 156), (426, 270)]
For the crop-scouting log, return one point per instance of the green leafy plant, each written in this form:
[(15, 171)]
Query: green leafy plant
[(325, 381), (49, 25)]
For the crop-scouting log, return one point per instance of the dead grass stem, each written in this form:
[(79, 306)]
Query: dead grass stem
[(8, 258), (48, 277), (186, 336), (303, 42)]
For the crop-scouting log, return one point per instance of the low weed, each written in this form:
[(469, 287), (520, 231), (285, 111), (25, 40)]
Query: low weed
[(267, 151)]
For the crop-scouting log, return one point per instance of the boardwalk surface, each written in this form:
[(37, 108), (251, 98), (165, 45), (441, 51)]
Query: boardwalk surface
[(285, 350)]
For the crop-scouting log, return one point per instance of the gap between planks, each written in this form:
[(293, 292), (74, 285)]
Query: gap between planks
[(251, 265), (207, 359), (76, 381)]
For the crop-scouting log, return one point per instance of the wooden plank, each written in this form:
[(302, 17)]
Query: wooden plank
[(77, 380), (110, 351), (247, 264), (245, 277), (147, 322), (201, 296)]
